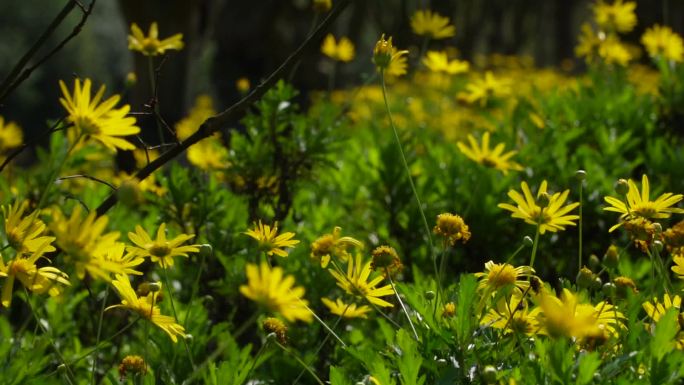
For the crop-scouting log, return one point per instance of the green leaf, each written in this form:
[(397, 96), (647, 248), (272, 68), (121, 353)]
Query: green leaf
[(665, 331), (588, 364), (410, 361), (338, 377)]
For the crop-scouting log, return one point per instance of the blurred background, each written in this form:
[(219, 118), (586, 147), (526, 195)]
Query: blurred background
[(226, 40)]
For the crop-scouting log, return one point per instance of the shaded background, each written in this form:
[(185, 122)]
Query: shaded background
[(226, 40)]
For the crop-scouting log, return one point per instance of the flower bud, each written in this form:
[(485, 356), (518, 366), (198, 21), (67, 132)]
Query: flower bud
[(657, 227), (449, 310), (658, 245), (585, 278), (205, 250), (429, 295), (609, 289), (527, 241), (612, 257), (580, 175), (382, 53), (489, 374), (131, 80), (622, 187), (594, 262), (154, 287)]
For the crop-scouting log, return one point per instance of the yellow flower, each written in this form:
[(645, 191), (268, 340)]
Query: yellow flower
[(566, 317), (449, 310), (276, 326), (432, 25), (160, 250), (132, 364), (151, 45), (482, 90), (452, 228), (513, 316), (678, 268), (487, 157), (341, 51), (209, 153), (86, 245), (438, 61), (243, 85), (553, 217), (499, 275), (388, 58), (588, 43), (357, 283), (269, 288), (613, 51), (146, 307), (333, 245), (270, 241), (655, 309), (10, 135), (91, 118), (321, 6), (24, 233), (346, 310), (618, 17), (37, 279), (660, 41), (639, 205)]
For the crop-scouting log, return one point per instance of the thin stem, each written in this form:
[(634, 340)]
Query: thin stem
[(97, 347), (410, 178), (256, 357), (536, 239), (516, 252), (99, 333), (155, 102), (403, 307), (195, 288), (147, 332), (579, 257), (332, 332), (304, 365), (173, 308)]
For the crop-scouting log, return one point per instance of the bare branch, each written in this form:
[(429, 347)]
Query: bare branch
[(17, 76), (235, 111)]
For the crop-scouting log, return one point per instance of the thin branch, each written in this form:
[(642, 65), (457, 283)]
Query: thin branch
[(15, 78), (55, 127), (85, 176), (235, 111)]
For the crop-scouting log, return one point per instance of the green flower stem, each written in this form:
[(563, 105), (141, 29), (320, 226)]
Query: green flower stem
[(536, 239), (147, 334), (103, 342), (403, 307), (332, 332), (99, 333), (579, 257), (413, 187), (516, 252), (256, 357), (304, 365), (40, 325), (155, 105), (173, 308)]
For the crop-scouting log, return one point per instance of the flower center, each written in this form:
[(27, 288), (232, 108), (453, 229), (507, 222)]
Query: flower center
[(545, 217), (501, 275), (520, 324), (150, 46), (646, 210), (488, 162), (160, 250), (21, 266), (87, 124)]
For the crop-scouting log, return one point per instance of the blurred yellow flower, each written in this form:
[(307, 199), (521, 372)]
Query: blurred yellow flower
[(37, 279), (482, 90), (487, 157), (209, 153), (150, 45), (640, 204), (146, 307), (25, 233), (613, 51), (356, 282), (341, 51), (93, 118), (617, 17), (321, 6), (432, 25), (11, 135), (660, 41), (345, 310), (553, 217), (160, 250), (438, 61), (678, 267), (332, 245), (656, 309), (269, 240), (388, 58), (277, 293), (243, 85)]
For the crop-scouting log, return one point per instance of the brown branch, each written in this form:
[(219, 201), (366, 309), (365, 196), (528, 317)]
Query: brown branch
[(235, 111), (17, 76)]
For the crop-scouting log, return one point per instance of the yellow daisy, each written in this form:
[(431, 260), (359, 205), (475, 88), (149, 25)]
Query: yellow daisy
[(499, 275), (277, 293), (345, 310), (639, 205), (494, 158), (91, 118), (388, 58), (342, 50), (656, 309), (513, 316), (37, 279), (269, 240), (660, 41), (11, 135), (551, 218), (160, 250), (678, 268), (146, 307), (452, 227), (332, 245), (150, 45), (25, 233), (357, 283), (482, 90), (432, 25), (438, 61), (618, 17), (209, 153)]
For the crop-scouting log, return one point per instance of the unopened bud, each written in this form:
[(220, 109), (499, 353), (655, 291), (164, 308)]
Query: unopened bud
[(154, 287), (205, 250), (609, 289), (594, 262), (585, 278), (622, 187), (489, 374), (580, 175), (657, 227), (658, 246), (527, 241), (429, 295), (612, 257)]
